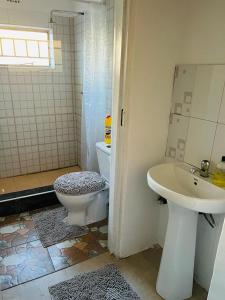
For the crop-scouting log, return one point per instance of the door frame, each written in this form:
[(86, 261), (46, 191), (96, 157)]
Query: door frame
[(119, 125)]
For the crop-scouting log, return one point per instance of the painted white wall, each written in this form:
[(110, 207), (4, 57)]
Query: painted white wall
[(217, 288), (36, 13), (205, 30), (153, 50), (161, 35), (203, 42), (31, 12)]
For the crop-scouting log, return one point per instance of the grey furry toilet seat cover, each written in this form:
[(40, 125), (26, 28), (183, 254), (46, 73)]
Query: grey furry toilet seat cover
[(79, 183)]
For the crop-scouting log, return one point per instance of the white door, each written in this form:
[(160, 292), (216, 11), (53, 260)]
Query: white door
[(119, 122)]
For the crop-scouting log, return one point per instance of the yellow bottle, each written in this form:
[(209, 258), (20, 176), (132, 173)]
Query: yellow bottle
[(219, 175), (108, 130)]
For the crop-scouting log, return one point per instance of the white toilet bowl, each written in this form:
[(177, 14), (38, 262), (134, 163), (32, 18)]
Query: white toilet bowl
[(85, 209), (85, 194)]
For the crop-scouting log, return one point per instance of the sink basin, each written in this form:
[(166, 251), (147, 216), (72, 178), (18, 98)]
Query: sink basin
[(187, 194), (177, 184)]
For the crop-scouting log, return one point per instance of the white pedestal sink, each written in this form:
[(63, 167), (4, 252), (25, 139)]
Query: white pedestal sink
[(187, 195)]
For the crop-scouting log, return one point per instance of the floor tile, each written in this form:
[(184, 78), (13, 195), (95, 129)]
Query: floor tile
[(16, 230), (30, 181), (38, 210), (26, 182), (71, 252), (14, 218), (23, 263), (12, 294), (99, 230), (22, 257), (6, 185), (138, 270)]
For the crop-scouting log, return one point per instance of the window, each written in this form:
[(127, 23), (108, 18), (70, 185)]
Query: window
[(23, 46)]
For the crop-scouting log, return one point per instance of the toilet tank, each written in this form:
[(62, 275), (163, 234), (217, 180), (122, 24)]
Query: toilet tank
[(103, 154)]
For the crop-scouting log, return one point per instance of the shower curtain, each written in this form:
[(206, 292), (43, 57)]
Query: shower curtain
[(94, 85)]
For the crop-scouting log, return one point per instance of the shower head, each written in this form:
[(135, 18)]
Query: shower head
[(51, 22)]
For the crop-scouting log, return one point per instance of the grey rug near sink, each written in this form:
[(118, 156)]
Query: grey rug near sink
[(51, 229), (106, 283)]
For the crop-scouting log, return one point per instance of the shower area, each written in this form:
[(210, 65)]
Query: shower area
[(50, 119)]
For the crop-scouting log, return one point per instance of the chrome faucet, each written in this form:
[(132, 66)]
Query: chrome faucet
[(204, 170), (194, 170)]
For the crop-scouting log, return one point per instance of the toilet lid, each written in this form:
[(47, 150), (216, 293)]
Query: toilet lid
[(79, 183)]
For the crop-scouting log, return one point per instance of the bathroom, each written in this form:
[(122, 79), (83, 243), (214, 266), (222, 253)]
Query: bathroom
[(54, 58), (130, 59)]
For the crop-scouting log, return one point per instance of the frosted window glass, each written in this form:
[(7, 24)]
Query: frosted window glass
[(26, 47), (7, 47), (20, 48), (32, 49), (27, 35), (43, 48)]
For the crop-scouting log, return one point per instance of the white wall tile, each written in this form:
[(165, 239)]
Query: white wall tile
[(199, 141), (203, 87), (26, 131), (8, 138), (221, 118), (67, 153), (29, 101), (208, 90), (178, 130), (48, 156), (184, 79), (46, 129), (32, 99), (9, 162), (29, 159), (219, 146)]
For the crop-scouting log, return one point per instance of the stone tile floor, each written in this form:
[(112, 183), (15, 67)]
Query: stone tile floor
[(23, 258), (139, 270)]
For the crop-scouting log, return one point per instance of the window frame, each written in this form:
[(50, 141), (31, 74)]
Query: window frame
[(47, 30)]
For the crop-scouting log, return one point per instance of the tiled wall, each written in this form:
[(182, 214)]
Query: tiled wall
[(40, 111), (197, 120), (37, 111)]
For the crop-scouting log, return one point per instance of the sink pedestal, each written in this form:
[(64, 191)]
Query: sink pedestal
[(175, 278)]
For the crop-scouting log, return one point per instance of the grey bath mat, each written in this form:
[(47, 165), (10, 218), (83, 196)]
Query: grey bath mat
[(51, 229), (104, 284)]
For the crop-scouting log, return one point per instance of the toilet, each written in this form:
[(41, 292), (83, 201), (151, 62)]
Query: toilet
[(85, 194)]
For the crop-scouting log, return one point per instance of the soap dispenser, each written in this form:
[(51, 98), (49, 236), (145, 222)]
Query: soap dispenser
[(219, 175)]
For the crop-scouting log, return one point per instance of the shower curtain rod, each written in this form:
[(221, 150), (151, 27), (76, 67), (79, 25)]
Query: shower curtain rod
[(68, 12)]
